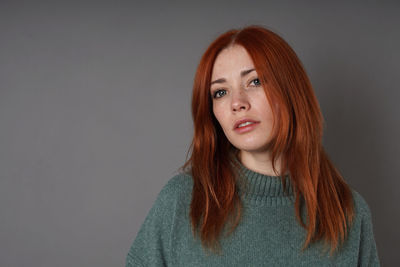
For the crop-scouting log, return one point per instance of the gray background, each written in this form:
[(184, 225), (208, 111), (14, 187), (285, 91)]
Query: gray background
[(95, 112)]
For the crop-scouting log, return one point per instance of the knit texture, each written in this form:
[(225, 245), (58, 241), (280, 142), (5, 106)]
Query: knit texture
[(267, 235)]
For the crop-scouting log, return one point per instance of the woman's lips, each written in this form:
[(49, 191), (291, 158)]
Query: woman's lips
[(246, 128)]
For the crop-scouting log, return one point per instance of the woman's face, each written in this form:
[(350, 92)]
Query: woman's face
[(237, 94)]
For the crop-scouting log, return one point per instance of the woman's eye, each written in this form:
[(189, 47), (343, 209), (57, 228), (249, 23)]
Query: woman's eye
[(256, 82), (216, 93)]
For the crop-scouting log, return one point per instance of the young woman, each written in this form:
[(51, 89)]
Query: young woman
[(258, 189)]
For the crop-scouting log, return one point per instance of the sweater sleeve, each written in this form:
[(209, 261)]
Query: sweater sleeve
[(368, 255), (151, 245)]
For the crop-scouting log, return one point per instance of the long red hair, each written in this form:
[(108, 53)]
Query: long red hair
[(296, 138)]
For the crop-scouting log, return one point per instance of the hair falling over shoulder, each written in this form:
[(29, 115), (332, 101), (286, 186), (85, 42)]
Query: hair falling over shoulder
[(297, 138)]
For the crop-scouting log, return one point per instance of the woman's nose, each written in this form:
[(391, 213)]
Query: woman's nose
[(240, 101)]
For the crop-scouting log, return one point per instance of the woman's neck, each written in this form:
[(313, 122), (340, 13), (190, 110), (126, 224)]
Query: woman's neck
[(259, 162)]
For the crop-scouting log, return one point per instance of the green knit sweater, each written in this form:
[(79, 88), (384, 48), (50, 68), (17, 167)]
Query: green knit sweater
[(268, 233)]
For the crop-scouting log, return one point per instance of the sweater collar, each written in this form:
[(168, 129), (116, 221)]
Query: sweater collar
[(258, 188)]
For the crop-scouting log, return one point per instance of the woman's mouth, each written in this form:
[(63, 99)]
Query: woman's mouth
[(246, 127)]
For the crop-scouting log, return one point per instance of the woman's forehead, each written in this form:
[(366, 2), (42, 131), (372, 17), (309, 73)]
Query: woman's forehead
[(232, 60)]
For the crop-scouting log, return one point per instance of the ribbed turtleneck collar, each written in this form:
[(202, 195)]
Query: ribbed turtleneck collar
[(264, 189)]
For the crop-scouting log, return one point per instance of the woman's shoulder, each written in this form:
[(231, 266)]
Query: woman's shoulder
[(179, 182), (177, 187), (360, 204)]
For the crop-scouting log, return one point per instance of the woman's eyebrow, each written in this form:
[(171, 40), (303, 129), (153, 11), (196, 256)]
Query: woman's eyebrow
[(242, 74)]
